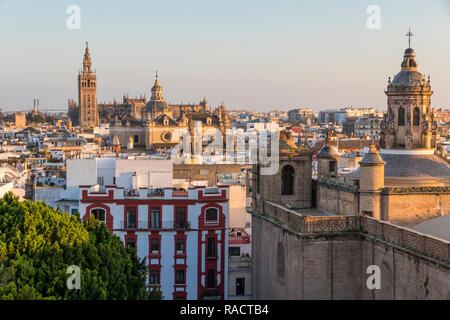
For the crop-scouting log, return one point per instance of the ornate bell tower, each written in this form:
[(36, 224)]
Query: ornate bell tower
[(409, 122), (157, 90), (87, 93)]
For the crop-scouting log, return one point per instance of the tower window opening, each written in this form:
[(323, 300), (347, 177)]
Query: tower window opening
[(401, 116), (287, 183), (416, 117)]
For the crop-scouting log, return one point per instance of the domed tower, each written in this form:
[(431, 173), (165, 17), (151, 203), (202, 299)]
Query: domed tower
[(291, 185), (409, 122), (327, 159), (371, 182), (157, 90), (157, 105)]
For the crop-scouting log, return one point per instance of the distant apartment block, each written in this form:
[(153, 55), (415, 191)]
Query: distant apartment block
[(301, 115), (20, 119), (340, 115), (368, 126)]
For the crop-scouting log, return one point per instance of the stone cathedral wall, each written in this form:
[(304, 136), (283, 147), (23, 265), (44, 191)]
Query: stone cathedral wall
[(303, 257), (406, 206)]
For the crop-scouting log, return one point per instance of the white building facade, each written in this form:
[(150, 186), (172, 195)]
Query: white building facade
[(183, 234)]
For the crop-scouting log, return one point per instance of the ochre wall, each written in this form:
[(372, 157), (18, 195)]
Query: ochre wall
[(410, 209), (336, 201), (334, 266)]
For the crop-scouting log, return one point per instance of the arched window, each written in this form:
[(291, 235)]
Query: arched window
[(211, 214), (287, 180), (280, 261), (401, 116), (99, 214), (416, 117)]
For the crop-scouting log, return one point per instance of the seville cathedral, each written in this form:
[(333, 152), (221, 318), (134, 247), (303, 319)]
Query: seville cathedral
[(314, 238), (138, 124)]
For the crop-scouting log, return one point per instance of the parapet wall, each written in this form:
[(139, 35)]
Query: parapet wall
[(327, 258), (337, 198), (402, 205)]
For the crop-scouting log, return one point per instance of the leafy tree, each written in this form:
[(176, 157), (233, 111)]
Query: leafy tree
[(38, 243), (156, 294)]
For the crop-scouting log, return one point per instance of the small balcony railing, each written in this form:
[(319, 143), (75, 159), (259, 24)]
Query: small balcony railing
[(156, 192), (145, 225)]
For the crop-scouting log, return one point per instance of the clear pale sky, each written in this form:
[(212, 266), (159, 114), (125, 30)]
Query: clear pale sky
[(252, 54)]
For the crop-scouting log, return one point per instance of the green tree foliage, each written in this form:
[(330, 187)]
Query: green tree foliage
[(156, 293), (38, 243)]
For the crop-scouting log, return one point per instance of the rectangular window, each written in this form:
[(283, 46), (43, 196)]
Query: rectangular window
[(154, 277), (180, 217), (234, 251), (154, 217), (131, 217), (332, 166), (211, 283), (211, 248), (240, 286), (180, 246), (179, 277), (154, 245), (100, 181)]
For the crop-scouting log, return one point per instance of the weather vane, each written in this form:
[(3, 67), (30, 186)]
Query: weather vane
[(409, 35)]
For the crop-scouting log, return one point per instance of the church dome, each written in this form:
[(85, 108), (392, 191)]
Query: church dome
[(411, 169), (156, 103), (156, 106), (408, 79), (408, 76), (328, 152)]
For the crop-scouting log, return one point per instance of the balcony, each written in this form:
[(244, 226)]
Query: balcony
[(131, 193), (133, 225), (144, 225), (156, 192)]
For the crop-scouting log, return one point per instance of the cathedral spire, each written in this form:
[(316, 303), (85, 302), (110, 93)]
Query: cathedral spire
[(87, 59)]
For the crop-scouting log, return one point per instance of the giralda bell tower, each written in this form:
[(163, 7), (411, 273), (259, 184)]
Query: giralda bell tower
[(87, 93)]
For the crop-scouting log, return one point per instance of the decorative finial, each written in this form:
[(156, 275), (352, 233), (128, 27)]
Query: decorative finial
[(156, 73), (87, 46), (409, 35)]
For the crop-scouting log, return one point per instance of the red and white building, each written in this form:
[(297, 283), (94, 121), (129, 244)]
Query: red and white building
[(183, 234)]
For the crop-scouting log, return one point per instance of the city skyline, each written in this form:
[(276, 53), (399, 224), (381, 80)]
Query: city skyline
[(254, 57)]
